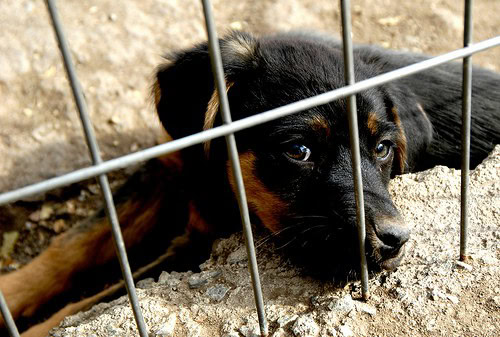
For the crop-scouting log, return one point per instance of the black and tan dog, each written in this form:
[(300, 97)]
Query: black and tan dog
[(297, 170)]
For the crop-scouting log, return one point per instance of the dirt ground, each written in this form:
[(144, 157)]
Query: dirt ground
[(116, 46)]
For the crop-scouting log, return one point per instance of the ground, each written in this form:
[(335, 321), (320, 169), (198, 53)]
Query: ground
[(116, 47)]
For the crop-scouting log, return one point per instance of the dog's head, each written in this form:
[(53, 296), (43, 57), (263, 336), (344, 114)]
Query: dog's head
[(297, 169)]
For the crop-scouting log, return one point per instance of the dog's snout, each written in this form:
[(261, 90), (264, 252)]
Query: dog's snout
[(393, 235)]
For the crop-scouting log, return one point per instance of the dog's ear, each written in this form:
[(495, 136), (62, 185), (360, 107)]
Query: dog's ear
[(184, 90), (414, 127)]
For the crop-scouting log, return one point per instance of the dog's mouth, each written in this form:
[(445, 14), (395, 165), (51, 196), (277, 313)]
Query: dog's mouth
[(386, 240), (393, 262)]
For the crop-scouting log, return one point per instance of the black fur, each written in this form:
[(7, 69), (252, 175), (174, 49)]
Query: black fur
[(277, 70)]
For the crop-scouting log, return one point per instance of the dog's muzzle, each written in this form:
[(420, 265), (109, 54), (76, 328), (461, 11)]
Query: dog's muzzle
[(390, 235)]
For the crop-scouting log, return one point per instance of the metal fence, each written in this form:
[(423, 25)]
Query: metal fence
[(100, 168)]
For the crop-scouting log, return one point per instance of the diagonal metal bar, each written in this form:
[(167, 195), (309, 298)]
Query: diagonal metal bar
[(96, 159), (223, 130), (354, 140), (466, 124), (7, 317), (218, 71)]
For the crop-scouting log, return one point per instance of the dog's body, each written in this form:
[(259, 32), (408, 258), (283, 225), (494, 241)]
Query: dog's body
[(297, 170)]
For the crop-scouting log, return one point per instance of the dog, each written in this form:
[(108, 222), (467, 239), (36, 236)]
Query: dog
[(297, 169)]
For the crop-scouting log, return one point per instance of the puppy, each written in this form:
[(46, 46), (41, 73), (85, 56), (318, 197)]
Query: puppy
[(297, 169)]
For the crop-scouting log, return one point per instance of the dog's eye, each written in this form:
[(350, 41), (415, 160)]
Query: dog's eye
[(298, 152), (383, 150)]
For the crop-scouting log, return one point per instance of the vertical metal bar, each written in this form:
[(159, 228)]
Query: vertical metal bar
[(96, 159), (218, 72), (466, 124), (354, 140), (7, 317)]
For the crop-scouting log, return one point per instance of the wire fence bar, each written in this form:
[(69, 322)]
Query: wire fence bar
[(235, 126), (218, 71), (352, 115), (466, 124), (7, 317), (96, 159)]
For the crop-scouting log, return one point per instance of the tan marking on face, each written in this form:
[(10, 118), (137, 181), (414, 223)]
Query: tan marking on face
[(211, 113), (320, 124), (401, 141), (268, 206), (372, 123)]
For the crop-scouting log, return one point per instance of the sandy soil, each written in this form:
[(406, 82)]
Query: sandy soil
[(431, 293), (116, 47)]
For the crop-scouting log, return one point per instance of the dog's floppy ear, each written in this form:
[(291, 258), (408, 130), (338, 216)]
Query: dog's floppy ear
[(184, 90), (414, 127)]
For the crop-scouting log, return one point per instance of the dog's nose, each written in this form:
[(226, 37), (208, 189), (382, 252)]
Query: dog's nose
[(394, 236)]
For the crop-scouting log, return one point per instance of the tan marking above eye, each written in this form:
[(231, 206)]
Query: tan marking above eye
[(319, 123), (401, 141), (372, 123)]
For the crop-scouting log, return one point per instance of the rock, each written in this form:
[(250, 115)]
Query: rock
[(463, 265), (200, 279), (170, 280), (286, 319), (239, 255), (305, 326), (250, 330), (346, 331), (366, 308), (167, 329), (453, 299), (344, 305), (217, 292), (145, 283)]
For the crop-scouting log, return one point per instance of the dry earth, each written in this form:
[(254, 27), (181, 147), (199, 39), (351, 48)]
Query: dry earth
[(116, 46), (431, 294)]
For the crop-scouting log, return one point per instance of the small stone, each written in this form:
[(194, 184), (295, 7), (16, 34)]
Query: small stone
[(167, 329), (200, 279), (146, 283), (250, 330), (217, 292), (237, 256), (59, 226), (196, 281), (463, 265), (169, 280), (285, 320), (305, 326), (366, 308), (46, 212), (453, 299), (346, 330), (496, 300), (344, 305)]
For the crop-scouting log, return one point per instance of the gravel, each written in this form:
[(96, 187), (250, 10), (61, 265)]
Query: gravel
[(431, 293)]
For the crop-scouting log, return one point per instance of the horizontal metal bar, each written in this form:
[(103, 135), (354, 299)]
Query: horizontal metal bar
[(241, 124)]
